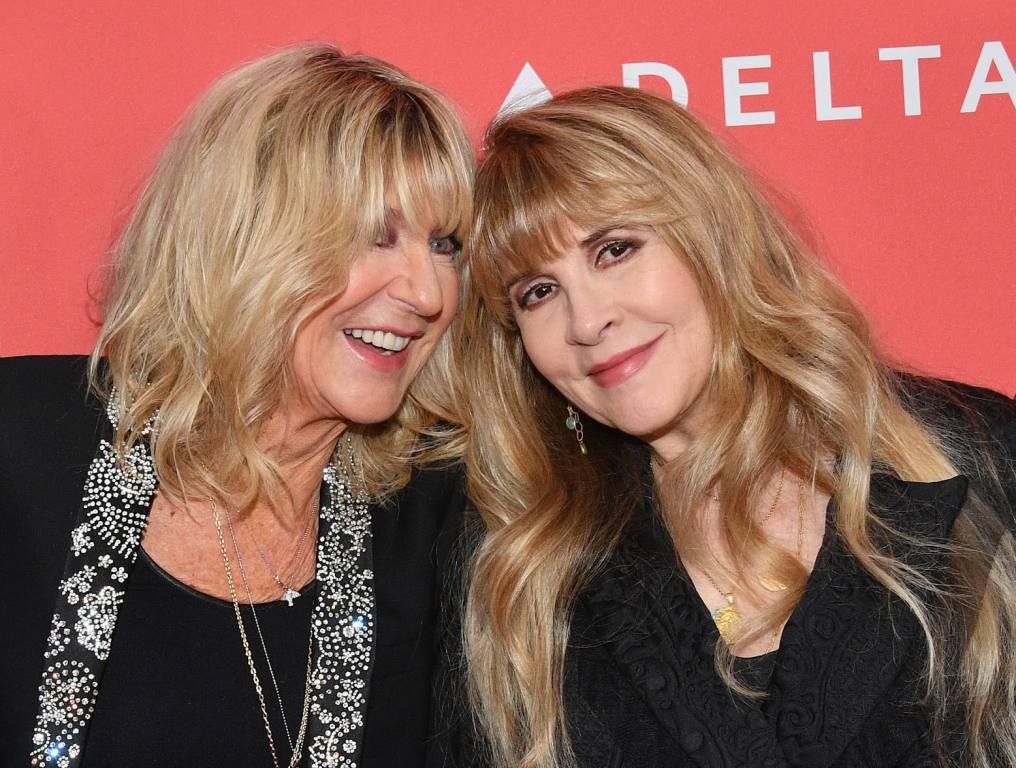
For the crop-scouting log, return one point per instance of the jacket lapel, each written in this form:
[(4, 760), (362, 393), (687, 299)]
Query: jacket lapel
[(117, 496), (343, 623), (850, 650)]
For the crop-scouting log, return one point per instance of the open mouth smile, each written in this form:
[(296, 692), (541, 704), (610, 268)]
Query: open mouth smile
[(385, 342)]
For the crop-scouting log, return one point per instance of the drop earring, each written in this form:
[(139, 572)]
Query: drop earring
[(574, 423)]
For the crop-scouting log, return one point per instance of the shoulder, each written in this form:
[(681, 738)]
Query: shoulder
[(436, 483), (956, 404), (977, 428), (425, 514), (39, 391), (49, 425)]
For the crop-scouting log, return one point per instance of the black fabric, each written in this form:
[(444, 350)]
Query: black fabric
[(49, 429), (177, 667), (641, 690)]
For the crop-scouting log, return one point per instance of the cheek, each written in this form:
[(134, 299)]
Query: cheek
[(545, 353), (450, 298)]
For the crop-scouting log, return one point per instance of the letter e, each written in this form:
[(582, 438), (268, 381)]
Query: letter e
[(734, 90)]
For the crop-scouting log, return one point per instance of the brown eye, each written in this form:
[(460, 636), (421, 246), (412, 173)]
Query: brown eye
[(614, 252), (534, 295)]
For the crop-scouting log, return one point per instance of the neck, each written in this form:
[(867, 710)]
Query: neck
[(675, 438), (301, 448)]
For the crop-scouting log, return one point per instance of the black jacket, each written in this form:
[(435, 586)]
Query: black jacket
[(640, 687), (49, 432)]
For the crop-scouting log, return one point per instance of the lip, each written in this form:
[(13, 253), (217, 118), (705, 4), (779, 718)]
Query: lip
[(623, 365), (375, 358)]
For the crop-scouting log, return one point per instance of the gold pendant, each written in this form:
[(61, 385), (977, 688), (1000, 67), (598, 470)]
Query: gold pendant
[(771, 584), (726, 619)]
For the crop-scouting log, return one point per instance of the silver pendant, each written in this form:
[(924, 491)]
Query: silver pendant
[(290, 595)]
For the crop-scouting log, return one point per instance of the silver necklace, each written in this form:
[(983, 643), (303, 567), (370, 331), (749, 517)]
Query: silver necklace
[(298, 746), (289, 592)]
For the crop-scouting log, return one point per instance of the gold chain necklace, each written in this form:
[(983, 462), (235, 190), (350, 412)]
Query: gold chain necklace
[(768, 582), (298, 747), (726, 617)]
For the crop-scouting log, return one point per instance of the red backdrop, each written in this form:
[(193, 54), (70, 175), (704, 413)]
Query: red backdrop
[(902, 160)]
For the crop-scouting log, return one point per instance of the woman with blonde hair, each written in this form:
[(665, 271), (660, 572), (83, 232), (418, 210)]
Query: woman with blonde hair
[(717, 528), (214, 552)]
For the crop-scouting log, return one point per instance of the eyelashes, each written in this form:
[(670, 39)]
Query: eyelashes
[(442, 245), (614, 251), (535, 293), (446, 245), (604, 256)]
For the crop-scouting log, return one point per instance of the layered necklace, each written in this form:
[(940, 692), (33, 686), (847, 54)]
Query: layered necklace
[(726, 617), (297, 746), (289, 592)]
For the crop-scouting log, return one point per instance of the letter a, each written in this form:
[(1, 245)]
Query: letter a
[(991, 53)]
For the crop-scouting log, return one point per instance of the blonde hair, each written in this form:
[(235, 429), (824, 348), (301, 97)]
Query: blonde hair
[(794, 378), (280, 173)]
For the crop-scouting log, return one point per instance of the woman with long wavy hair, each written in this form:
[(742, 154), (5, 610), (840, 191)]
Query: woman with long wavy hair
[(215, 551), (718, 529)]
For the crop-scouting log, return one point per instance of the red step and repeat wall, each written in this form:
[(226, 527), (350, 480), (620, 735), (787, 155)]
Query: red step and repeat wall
[(890, 127)]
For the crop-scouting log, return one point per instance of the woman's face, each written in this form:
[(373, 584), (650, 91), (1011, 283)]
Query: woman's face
[(354, 360), (618, 326)]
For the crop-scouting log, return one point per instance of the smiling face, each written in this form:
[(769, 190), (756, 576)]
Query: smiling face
[(617, 324), (355, 358)]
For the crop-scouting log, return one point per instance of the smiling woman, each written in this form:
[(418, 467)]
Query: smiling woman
[(616, 302), (715, 527), (218, 552)]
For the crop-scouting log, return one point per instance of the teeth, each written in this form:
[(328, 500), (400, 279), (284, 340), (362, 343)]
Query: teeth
[(387, 341)]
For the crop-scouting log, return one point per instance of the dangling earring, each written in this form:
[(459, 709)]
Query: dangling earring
[(573, 422)]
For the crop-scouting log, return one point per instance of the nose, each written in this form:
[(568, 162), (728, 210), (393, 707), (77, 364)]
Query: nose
[(591, 312), (417, 283)]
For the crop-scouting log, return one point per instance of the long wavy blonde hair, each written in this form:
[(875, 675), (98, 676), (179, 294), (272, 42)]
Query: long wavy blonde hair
[(794, 377), (279, 175)]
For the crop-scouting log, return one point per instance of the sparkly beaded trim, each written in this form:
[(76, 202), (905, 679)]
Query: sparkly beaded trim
[(343, 626), (117, 497), (104, 543)]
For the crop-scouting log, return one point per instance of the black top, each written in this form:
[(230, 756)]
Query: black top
[(177, 658), (176, 689), (641, 690)]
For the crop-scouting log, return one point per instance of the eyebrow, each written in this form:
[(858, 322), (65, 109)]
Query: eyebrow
[(515, 279), (599, 234), (585, 242)]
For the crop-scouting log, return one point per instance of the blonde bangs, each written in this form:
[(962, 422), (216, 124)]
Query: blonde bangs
[(534, 184), (428, 173)]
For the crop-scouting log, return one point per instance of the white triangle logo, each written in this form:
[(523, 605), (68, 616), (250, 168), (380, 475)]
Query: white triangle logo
[(528, 91)]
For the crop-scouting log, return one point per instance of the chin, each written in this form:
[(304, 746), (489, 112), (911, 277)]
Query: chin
[(642, 425), (370, 415), (366, 405)]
